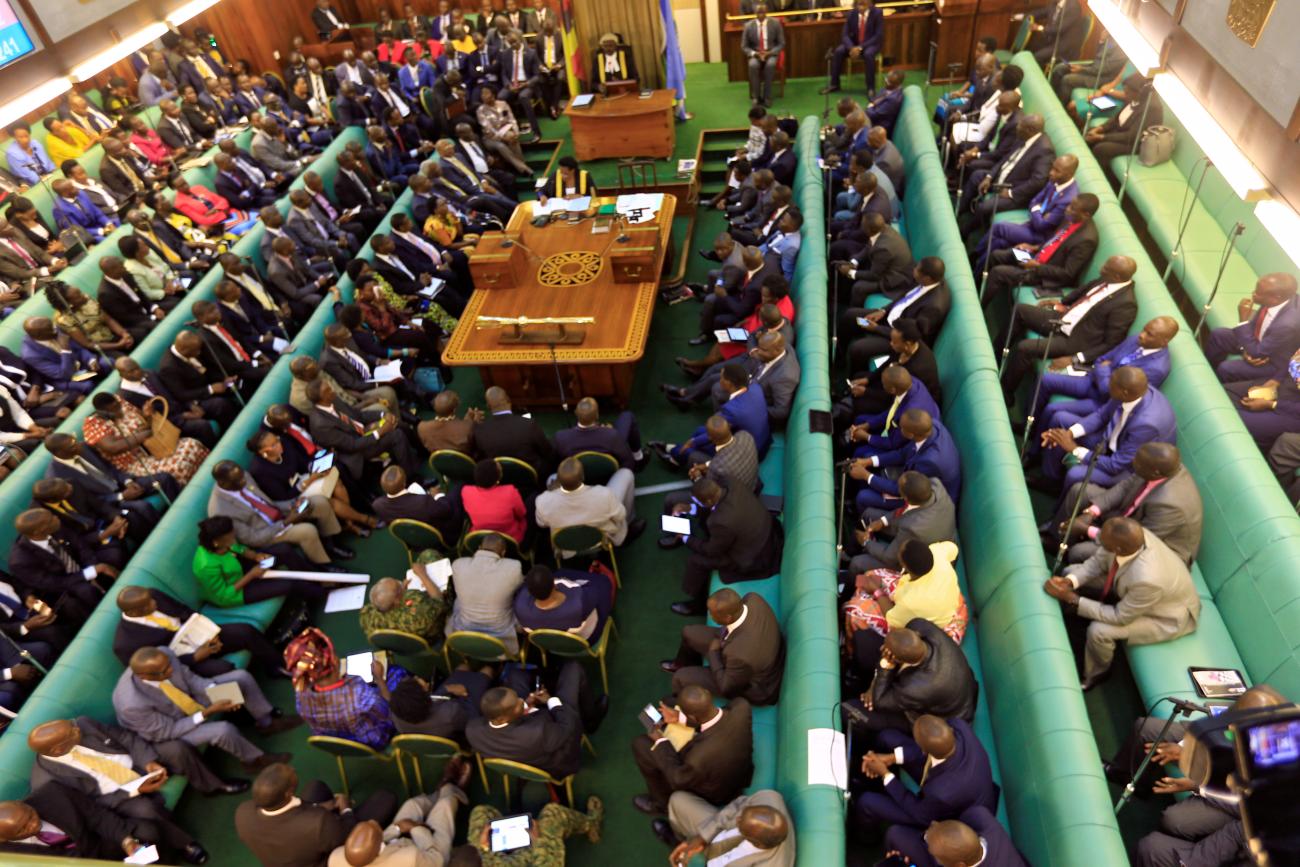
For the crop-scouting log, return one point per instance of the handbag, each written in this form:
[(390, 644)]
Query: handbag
[(165, 435), (1157, 145)]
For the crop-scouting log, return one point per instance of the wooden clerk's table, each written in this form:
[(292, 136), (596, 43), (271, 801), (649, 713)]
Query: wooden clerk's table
[(624, 126), (604, 363)]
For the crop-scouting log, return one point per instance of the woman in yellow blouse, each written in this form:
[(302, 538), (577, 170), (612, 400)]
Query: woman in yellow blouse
[(65, 141)]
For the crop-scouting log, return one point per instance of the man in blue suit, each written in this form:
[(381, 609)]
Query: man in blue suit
[(884, 106), (864, 32), (881, 432), (72, 207), (1266, 338), (1134, 415), (947, 761), (57, 359), (1046, 211), (974, 837), (929, 450), (414, 75), (745, 409), (1147, 350)]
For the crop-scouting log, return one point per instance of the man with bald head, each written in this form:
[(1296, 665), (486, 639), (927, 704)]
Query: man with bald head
[(1083, 325), (411, 501), (621, 440), (54, 818), (746, 652), (105, 763), (305, 370), (1046, 211), (761, 823), (504, 433), (54, 564), (57, 359), (421, 833), (1012, 177), (446, 430), (1056, 263), (976, 837), (572, 502), (1139, 591), (393, 605), (1267, 337)]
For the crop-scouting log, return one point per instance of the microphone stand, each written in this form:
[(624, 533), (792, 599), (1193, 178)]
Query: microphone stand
[(1096, 84), (24, 654), (1006, 348), (559, 379), (1038, 386), (839, 522), (835, 277), (1185, 219), (1233, 235), (1131, 787), (1056, 45), (81, 323), (1137, 143), (826, 97), (1064, 545), (988, 250), (961, 184)]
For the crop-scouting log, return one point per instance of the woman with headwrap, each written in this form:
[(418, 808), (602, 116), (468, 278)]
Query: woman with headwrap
[(336, 704)]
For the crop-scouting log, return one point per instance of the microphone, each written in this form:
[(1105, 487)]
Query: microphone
[(854, 713), (1188, 707), (1001, 186)]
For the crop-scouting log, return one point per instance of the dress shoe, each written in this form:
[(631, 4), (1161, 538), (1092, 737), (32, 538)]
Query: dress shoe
[(668, 543), (700, 339), (671, 666), (687, 366), (195, 854), (265, 760), (634, 530), (688, 608), (232, 786), (710, 255), (828, 89), (338, 552), (639, 464), (280, 724), (669, 388), (1115, 773), (664, 832), (682, 404), (649, 805), (661, 451), (1088, 683)]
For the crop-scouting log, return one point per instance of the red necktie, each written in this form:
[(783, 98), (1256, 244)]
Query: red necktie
[(233, 344), (271, 513), (31, 263), (862, 28), (1058, 239), (1085, 298), (899, 511), (762, 35), (1110, 579), (1259, 322), (302, 439)]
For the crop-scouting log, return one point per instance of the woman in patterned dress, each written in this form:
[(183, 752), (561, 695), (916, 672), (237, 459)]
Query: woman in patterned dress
[(117, 430)]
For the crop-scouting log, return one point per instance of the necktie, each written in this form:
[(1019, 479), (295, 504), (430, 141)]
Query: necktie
[(326, 206), (184, 130), (1259, 322), (519, 67), (1091, 292), (55, 839), (88, 468), (398, 264), (161, 622), (265, 509), (929, 763), (550, 52), (862, 28), (893, 410), (909, 297), (1057, 240), (307, 443), (180, 698), (361, 366), (762, 35), (259, 294), (22, 254), (1110, 579), (1130, 358), (1142, 495), (91, 761), (65, 558), (722, 633), (232, 344), (168, 253)]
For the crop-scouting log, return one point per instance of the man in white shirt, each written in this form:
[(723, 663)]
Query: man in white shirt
[(752, 829), (611, 507)]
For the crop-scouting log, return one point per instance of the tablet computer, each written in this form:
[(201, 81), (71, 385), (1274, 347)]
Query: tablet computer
[(1103, 103), (1217, 682), (322, 462), (675, 524), (510, 833)]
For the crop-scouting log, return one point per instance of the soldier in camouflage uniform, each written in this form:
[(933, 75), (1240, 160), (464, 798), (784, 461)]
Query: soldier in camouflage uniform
[(549, 831), (393, 606)]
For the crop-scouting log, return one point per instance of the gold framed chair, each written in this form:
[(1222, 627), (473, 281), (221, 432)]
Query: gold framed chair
[(567, 644), (418, 747), (597, 467), (342, 748), (529, 773), (452, 466), (582, 540), (399, 642), (474, 538), (477, 646), (521, 474), (417, 536)]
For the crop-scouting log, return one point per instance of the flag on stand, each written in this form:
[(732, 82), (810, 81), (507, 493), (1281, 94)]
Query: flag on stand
[(673, 63), (572, 50)]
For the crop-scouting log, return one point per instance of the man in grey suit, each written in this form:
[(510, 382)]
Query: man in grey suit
[(296, 283), (270, 147), (762, 42), (315, 232), (485, 593), (308, 522), (734, 463), (1145, 594), (778, 374), (160, 699), (1160, 494), (929, 517), (352, 369), (752, 830), (610, 507)]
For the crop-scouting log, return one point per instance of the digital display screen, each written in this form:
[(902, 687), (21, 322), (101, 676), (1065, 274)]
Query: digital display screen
[(14, 39), (1275, 744)]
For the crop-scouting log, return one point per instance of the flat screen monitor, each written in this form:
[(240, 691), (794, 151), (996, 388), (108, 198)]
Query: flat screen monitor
[(15, 42)]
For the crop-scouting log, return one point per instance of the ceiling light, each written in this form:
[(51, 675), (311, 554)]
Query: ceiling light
[(92, 66), (1144, 56), (179, 16), (1283, 223), (33, 99)]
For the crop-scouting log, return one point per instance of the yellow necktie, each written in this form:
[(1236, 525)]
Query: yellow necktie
[(252, 287), (161, 622), (168, 253), (188, 706), (889, 417), (116, 772), (63, 507), (929, 763)]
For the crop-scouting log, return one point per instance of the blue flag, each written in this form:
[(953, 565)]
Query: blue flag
[(673, 63)]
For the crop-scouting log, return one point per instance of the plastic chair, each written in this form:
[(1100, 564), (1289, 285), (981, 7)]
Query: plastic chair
[(519, 473), (342, 748), (452, 465), (417, 747), (477, 646), (567, 644), (417, 536), (583, 539), (597, 467)]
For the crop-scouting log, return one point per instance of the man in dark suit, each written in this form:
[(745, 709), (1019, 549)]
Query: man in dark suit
[(406, 274), (337, 427), (169, 245), (1056, 263), (283, 829), (437, 508), (948, 763), (97, 523), (999, 142), (865, 198), (176, 132), (521, 78), (59, 568), (746, 654), (716, 764), (238, 188), (1046, 211), (1266, 337), (55, 820), (550, 737), (742, 541), (329, 22), (1059, 30), (220, 347), (350, 108), (503, 433), (1119, 134), (1011, 180), (974, 837), (928, 517), (1083, 325), (122, 299), (100, 761), (98, 478), (885, 106), (882, 265), (294, 281), (864, 33), (151, 618), (351, 367), (620, 440), (736, 294), (780, 160), (195, 380), (926, 673), (927, 303), (470, 189), (138, 386), (353, 191), (251, 325), (929, 449)]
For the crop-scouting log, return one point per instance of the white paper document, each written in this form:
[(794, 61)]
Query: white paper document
[(439, 573), (193, 634), (320, 577), (225, 692), (346, 599), (639, 207), (143, 855), (826, 762), (388, 372)]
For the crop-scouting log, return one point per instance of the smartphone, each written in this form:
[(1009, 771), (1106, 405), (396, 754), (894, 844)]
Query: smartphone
[(302, 506), (267, 563), (650, 717), (1021, 255), (322, 462), (676, 525), (510, 833)]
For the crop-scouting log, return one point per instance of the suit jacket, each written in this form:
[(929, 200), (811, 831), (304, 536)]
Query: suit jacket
[(345, 374), (779, 383), (1172, 511), (353, 193), (736, 465), (1127, 353), (717, 764), (250, 323), (301, 837), (80, 211), (783, 166), (130, 314), (237, 188), (1001, 139), (42, 572), (55, 368), (963, 780), (1124, 128), (251, 528), (884, 107), (532, 67), (726, 819), (438, 512), (1154, 587), (888, 261), (942, 684), (591, 505), (999, 849), (314, 231), (937, 457), (324, 27), (601, 438), (106, 484), (1106, 323), (741, 539), (751, 660), (352, 112), (184, 380), (510, 435), (275, 153), (1152, 420), (118, 177), (1029, 173), (95, 831), (1062, 32), (749, 41), (411, 82), (1067, 263), (292, 279), (890, 162), (130, 636), (550, 739), (102, 738), (929, 310), (339, 435), (875, 31), (455, 434), (148, 713), (1047, 209), (172, 131), (14, 269), (1279, 341), (933, 521)]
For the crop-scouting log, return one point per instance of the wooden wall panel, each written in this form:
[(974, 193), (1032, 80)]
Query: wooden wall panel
[(255, 29)]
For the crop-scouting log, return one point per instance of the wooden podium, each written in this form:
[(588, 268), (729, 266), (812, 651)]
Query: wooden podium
[(624, 126)]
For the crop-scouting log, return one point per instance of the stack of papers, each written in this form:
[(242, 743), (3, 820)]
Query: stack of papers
[(640, 207), (346, 599), (193, 634), (388, 372), (439, 573)]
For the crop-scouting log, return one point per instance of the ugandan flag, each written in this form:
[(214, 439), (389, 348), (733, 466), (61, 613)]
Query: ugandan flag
[(572, 50)]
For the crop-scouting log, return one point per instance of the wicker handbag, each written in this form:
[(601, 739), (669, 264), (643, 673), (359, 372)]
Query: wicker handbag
[(162, 443)]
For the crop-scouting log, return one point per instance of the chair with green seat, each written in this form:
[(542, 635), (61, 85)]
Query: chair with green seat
[(521, 474), (399, 642), (474, 538), (597, 467), (452, 465), (581, 540), (567, 644), (342, 748), (416, 537), (478, 646), (1018, 43), (418, 747), (529, 773)]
